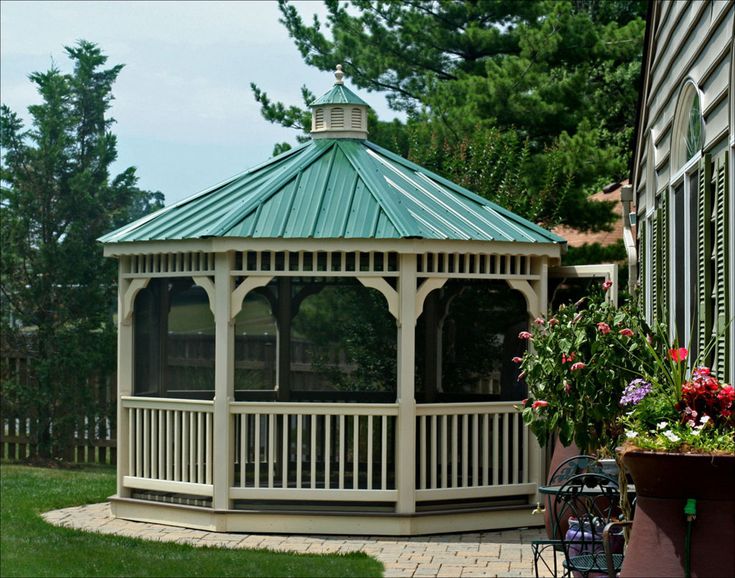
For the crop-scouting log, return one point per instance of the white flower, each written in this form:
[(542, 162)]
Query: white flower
[(631, 434), (672, 436), (662, 425), (704, 419), (696, 431)]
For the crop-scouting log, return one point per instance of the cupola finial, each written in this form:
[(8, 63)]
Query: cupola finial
[(339, 75)]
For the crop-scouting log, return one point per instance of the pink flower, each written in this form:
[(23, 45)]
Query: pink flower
[(567, 387), (578, 365), (525, 335), (679, 354), (539, 403), (626, 332), (553, 321), (568, 358), (539, 321), (517, 359), (603, 328), (606, 285), (524, 402), (521, 375)]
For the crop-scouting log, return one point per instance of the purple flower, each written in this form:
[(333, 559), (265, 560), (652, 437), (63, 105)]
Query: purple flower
[(635, 392)]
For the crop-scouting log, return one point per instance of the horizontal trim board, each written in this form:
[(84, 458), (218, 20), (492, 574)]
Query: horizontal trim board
[(168, 486), (466, 408), (316, 494), (304, 408), (130, 402), (476, 492)]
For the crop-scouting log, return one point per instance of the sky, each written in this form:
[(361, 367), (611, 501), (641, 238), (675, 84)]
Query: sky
[(186, 117)]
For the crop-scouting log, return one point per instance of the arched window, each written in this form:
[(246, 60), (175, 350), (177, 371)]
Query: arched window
[(688, 133)]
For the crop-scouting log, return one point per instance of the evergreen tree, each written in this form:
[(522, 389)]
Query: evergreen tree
[(58, 197), (544, 87)]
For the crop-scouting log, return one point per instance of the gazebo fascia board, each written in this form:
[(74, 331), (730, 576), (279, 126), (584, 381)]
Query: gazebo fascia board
[(409, 246)]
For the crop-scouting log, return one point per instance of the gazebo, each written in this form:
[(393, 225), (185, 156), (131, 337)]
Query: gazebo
[(323, 344)]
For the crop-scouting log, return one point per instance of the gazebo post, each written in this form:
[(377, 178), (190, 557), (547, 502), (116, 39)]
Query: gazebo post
[(224, 347), (283, 342), (125, 337), (406, 435)]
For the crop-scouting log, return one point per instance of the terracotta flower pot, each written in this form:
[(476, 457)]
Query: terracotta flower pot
[(663, 483)]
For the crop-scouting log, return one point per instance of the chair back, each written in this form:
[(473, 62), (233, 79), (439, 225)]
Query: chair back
[(589, 501), (568, 468)]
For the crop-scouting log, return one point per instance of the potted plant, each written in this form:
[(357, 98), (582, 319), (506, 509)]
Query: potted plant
[(577, 366), (679, 422)]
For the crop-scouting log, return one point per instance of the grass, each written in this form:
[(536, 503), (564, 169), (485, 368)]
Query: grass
[(31, 547)]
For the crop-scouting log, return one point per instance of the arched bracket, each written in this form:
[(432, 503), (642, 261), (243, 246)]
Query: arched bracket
[(390, 294), (424, 289), (207, 283), (132, 290), (238, 295), (532, 300)]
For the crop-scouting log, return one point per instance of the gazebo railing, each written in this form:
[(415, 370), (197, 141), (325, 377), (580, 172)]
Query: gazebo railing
[(331, 451), (169, 445), (471, 450)]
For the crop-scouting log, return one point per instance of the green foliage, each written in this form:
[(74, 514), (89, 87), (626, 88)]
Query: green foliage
[(352, 321), (538, 91), (577, 371), (58, 197), (31, 547)]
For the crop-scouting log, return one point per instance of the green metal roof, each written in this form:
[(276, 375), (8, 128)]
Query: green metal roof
[(339, 94), (332, 189)]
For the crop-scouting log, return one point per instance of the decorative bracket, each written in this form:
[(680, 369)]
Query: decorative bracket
[(247, 285), (532, 300), (207, 283), (431, 284), (134, 286), (390, 294)]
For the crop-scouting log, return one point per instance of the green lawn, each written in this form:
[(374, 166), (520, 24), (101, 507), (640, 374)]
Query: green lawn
[(31, 547)]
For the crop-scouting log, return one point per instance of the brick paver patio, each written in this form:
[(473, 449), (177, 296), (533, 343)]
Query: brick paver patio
[(503, 553)]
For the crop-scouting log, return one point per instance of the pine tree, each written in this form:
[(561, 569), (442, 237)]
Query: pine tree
[(58, 197)]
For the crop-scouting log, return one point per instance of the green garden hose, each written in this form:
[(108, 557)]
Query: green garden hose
[(690, 511)]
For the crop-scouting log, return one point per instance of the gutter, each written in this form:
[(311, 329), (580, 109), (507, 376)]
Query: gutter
[(626, 197)]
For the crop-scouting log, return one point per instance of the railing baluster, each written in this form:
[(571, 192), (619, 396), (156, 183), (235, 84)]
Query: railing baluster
[(243, 448), (496, 457), (384, 453), (341, 452), (177, 446), (131, 443), (328, 435), (475, 449), (298, 451), (516, 465), (200, 448), (445, 455), (161, 445), (369, 452), (256, 448), (465, 450), (192, 447), (455, 453), (184, 446), (525, 455), (434, 454), (210, 425), (422, 451), (154, 444), (355, 451), (506, 455), (271, 449), (485, 449), (169, 445), (284, 448), (312, 453)]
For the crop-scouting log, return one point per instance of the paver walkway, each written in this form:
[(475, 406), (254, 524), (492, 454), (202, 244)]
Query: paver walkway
[(506, 553)]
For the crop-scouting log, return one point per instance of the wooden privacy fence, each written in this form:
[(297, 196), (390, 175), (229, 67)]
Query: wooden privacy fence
[(89, 436)]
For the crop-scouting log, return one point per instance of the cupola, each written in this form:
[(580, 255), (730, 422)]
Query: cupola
[(340, 113)]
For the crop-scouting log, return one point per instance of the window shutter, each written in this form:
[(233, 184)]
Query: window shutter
[(704, 253), (663, 297), (655, 265), (719, 256), (643, 265)]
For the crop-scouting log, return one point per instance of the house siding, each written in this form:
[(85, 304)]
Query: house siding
[(690, 42)]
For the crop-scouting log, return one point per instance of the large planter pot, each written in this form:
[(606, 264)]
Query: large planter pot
[(663, 484)]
